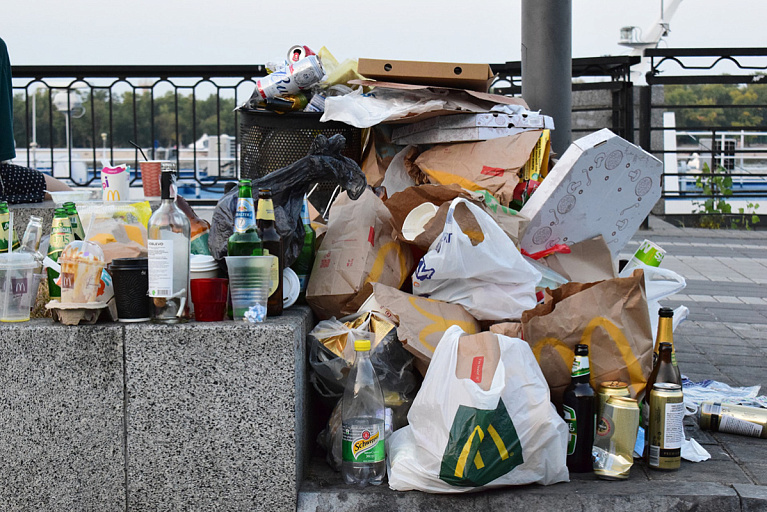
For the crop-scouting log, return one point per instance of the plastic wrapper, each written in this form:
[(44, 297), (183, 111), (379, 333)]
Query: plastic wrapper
[(118, 227), (289, 185)]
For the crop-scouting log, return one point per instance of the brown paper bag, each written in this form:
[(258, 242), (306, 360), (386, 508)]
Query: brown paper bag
[(422, 322), (478, 357), (401, 203), (490, 165), (358, 248), (610, 316), (588, 261), (510, 329)]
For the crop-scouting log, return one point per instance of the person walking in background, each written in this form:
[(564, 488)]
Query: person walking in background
[(17, 184)]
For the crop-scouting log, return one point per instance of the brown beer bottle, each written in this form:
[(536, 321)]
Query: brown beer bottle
[(579, 405), (666, 335), (200, 227), (663, 371), (272, 243)]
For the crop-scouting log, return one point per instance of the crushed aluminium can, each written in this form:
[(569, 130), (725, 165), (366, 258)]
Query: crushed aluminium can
[(297, 77), (613, 450)]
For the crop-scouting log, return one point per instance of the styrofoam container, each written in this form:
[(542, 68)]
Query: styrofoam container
[(417, 219)]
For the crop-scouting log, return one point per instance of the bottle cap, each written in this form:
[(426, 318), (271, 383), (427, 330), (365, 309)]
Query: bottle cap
[(361, 345), (666, 313)]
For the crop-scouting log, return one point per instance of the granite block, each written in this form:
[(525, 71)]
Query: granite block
[(753, 498), (214, 419), (61, 417)]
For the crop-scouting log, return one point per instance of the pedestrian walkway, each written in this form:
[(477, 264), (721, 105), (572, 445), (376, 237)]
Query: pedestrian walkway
[(724, 338)]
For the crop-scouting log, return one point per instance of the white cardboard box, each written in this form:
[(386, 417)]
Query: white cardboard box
[(469, 127), (602, 185)]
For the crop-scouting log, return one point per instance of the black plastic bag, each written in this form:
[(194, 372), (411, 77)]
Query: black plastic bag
[(289, 185)]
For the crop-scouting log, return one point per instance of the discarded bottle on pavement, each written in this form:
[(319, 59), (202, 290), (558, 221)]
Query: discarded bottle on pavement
[(663, 371), (733, 419), (666, 335), (362, 424), (579, 404), (305, 260), (273, 246)]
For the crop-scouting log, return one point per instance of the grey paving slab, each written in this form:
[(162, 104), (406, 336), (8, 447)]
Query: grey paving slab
[(759, 473), (753, 498)]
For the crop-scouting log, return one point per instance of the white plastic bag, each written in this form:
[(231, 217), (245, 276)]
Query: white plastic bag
[(461, 438), (659, 284), (491, 279)]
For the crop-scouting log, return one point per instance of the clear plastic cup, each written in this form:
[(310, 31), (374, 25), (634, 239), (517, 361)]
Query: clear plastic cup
[(250, 278), (17, 291), (81, 265)]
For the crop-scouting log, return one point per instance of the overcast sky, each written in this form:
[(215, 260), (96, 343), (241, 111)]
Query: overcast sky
[(55, 32)]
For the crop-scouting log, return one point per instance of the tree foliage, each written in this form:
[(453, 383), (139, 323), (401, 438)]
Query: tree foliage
[(739, 99), (124, 117)]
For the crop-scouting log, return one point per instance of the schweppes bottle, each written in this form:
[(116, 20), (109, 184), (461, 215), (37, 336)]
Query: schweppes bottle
[(61, 236), (74, 221), (5, 217)]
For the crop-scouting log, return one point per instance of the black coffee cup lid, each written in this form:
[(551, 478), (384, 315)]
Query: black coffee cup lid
[(129, 263)]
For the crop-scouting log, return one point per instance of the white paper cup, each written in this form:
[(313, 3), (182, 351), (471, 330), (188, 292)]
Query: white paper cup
[(417, 219), (115, 183)]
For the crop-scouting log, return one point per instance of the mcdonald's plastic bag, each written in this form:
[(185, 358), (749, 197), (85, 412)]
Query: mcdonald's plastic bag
[(495, 428), (610, 316), (479, 269)]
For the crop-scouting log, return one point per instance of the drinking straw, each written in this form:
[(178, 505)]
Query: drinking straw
[(139, 148)]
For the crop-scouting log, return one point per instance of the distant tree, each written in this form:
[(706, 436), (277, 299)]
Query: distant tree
[(730, 95)]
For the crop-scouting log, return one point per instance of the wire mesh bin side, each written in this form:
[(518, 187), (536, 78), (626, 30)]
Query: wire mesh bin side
[(270, 141)]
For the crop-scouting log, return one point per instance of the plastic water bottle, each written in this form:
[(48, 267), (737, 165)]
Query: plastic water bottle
[(364, 455)]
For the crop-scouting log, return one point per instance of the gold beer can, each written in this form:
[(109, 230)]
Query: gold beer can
[(665, 430), (608, 389), (613, 450), (733, 419)]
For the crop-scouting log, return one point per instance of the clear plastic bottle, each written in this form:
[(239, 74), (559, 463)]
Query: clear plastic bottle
[(363, 415)]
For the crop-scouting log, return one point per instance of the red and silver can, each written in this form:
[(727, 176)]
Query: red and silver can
[(297, 77), (298, 52)]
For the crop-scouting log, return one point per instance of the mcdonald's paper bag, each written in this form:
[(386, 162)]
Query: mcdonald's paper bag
[(610, 316), (358, 248), (464, 435), (421, 321)]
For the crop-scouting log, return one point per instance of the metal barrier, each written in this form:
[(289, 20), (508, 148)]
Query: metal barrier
[(126, 104), (686, 131)]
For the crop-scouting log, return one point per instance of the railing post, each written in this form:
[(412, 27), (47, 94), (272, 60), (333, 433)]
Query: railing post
[(645, 118)]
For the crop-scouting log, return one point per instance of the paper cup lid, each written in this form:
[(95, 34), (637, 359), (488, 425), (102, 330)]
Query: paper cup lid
[(17, 260), (202, 262), (291, 287), (417, 219)]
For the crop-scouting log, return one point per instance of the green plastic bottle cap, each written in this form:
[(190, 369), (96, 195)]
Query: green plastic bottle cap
[(361, 345)]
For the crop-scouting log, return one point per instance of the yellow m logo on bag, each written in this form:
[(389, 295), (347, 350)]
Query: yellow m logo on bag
[(629, 359)]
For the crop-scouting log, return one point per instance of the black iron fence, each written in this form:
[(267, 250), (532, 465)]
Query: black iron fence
[(710, 130), (70, 118)]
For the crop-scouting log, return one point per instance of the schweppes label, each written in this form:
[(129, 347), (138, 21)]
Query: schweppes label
[(362, 443)]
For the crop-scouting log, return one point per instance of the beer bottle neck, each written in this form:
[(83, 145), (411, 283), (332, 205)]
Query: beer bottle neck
[(244, 217), (265, 212), (580, 370), (665, 332), (665, 355)]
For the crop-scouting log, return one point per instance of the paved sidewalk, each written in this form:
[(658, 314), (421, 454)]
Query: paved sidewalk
[(724, 338)]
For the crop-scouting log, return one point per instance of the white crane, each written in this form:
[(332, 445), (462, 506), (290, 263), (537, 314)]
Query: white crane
[(634, 38)]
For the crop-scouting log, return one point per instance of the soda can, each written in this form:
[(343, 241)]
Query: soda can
[(613, 450), (608, 389), (297, 77), (298, 52), (665, 430), (733, 419)]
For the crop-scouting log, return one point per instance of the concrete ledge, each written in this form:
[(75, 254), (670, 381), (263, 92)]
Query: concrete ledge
[(753, 498), (150, 417), (325, 492)]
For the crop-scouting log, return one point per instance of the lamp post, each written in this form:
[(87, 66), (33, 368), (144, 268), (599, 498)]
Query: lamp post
[(68, 101)]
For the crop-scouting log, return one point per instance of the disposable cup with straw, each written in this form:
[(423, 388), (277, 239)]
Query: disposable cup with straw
[(150, 174), (17, 276)]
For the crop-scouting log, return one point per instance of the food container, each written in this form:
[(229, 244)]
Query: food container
[(81, 265)]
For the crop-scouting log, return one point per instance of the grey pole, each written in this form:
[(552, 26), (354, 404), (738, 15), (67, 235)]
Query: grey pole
[(547, 64)]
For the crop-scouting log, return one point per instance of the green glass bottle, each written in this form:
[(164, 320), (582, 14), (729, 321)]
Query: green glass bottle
[(245, 240), (305, 260), (74, 221), (61, 236), (5, 221)]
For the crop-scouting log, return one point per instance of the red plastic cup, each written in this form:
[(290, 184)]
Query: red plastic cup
[(209, 297)]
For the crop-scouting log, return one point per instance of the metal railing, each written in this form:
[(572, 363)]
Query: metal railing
[(105, 109), (729, 135)]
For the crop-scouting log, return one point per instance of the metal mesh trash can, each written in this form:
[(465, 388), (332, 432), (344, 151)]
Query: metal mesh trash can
[(270, 141)]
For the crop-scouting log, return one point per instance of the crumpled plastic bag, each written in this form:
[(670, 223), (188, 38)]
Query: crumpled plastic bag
[(289, 185)]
